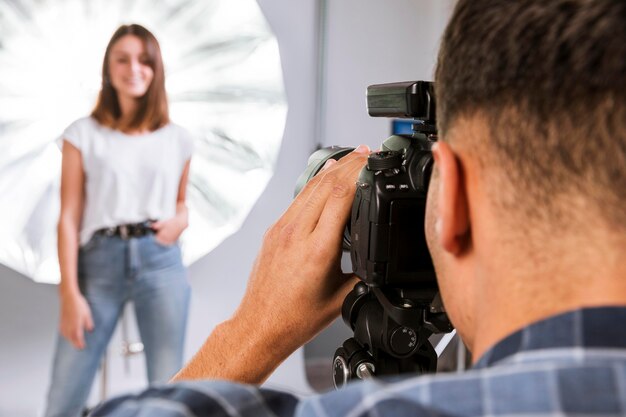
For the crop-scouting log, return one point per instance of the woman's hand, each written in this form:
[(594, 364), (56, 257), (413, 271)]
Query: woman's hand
[(168, 231), (75, 319)]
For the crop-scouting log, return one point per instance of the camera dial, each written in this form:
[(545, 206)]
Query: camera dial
[(403, 340), (384, 160)]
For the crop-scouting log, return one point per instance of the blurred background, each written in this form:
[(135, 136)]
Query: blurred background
[(261, 85)]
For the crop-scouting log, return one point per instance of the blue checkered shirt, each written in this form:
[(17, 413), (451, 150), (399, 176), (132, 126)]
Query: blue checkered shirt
[(571, 364)]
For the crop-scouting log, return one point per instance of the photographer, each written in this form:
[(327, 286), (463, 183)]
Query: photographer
[(526, 225)]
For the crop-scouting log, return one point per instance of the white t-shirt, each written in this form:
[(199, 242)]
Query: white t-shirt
[(128, 179)]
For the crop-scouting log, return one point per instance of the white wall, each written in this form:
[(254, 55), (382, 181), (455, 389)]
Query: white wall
[(375, 42), (369, 41)]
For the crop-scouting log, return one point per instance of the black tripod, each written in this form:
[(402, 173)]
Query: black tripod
[(391, 330)]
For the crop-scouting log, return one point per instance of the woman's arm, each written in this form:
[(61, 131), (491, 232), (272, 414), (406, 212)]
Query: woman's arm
[(75, 312), (169, 230)]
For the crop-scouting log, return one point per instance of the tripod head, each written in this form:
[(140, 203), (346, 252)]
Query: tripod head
[(391, 330)]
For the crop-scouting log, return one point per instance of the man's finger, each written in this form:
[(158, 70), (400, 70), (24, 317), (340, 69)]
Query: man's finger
[(349, 281), (310, 188), (328, 164), (336, 184), (336, 210)]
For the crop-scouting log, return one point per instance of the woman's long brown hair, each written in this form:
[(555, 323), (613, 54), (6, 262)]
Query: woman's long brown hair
[(152, 111)]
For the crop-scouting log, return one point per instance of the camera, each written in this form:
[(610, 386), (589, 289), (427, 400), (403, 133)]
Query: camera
[(395, 307)]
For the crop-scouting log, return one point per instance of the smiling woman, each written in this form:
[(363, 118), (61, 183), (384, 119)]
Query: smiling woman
[(132, 98), (129, 68), (224, 83), (123, 207)]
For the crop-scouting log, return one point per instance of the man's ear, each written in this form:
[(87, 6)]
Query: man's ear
[(453, 222)]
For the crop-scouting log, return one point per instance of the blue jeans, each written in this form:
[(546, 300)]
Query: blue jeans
[(112, 271)]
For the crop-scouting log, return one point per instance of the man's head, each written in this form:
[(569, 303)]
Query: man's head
[(531, 98)]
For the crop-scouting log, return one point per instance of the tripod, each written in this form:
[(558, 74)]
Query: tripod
[(391, 330)]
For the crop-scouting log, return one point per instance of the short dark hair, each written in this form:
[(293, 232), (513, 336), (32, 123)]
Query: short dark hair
[(153, 111), (549, 78)]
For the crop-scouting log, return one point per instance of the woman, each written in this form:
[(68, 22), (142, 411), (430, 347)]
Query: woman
[(123, 182)]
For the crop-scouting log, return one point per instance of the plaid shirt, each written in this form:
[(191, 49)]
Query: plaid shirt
[(571, 364)]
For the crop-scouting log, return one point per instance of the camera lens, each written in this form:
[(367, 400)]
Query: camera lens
[(317, 161)]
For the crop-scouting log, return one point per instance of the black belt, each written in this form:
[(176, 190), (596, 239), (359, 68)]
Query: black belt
[(126, 231)]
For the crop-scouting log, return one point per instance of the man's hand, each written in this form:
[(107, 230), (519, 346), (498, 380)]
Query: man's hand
[(296, 287), (297, 283)]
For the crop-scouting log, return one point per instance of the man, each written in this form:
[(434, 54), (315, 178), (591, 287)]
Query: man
[(526, 223)]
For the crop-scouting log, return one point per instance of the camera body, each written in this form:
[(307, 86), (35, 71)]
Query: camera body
[(385, 234), (387, 221), (388, 245)]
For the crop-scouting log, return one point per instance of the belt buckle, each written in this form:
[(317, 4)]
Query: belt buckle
[(123, 231)]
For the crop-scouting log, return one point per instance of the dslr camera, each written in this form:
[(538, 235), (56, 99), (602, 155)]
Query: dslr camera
[(395, 307)]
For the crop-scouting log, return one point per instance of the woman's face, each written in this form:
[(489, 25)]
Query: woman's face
[(129, 67)]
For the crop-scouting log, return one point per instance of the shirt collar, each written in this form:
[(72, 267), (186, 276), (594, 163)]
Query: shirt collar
[(598, 327)]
